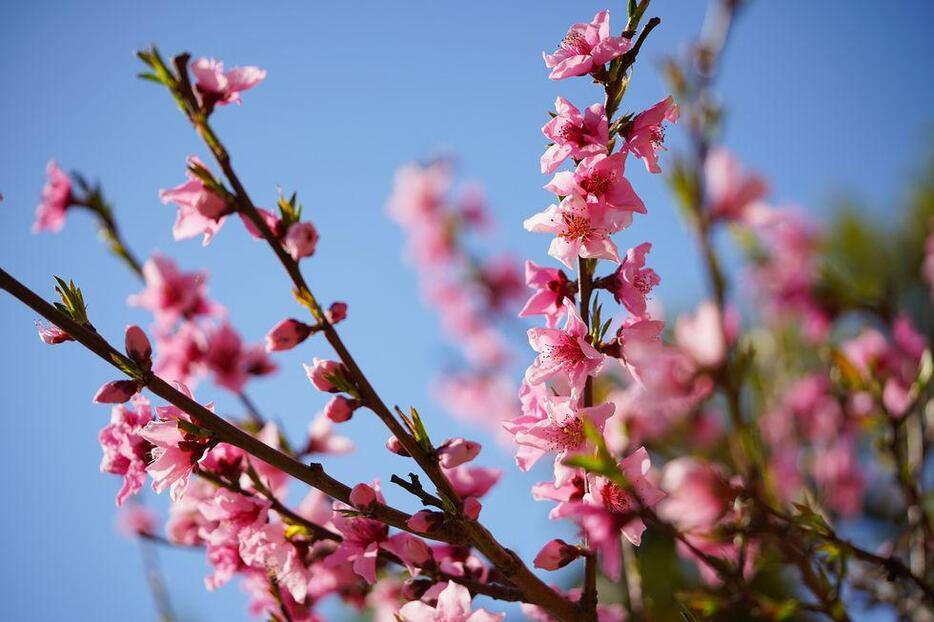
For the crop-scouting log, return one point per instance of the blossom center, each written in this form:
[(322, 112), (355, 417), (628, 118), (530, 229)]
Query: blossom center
[(597, 183), (577, 226), (576, 43)]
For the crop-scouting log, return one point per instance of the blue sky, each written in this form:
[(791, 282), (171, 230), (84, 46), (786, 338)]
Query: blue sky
[(826, 98)]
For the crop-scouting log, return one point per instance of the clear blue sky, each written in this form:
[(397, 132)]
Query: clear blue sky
[(824, 96)]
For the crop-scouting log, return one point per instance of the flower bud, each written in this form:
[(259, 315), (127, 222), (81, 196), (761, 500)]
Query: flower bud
[(116, 392), (394, 445), (340, 409), (286, 335), (324, 374), (300, 240), (51, 334), (456, 451), (336, 312), (425, 521), (138, 347), (363, 497), (556, 554), (472, 508)]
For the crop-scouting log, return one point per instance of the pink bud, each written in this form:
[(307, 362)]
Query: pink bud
[(116, 392), (136, 519), (300, 240), (323, 373), (337, 312), (363, 497), (340, 409), (52, 334), (274, 224), (456, 451), (394, 445), (416, 552), (425, 521), (138, 347), (472, 508), (286, 335), (556, 554)]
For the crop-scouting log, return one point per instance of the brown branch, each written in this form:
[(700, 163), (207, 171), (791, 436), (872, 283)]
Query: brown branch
[(313, 475), (507, 562), (414, 486)]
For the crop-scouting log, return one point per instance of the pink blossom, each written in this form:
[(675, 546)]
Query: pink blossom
[(457, 451), (267, 549), (56, 199), (418, 192), (453, 606), (136, 519), (609, 509), (125, 451), (701, 335), (273, 223), (51, 334), (730, 190), (425, 521), (176, 451), (199, 209), (585, 48), (564, 352), (578, 229), (218, 87), (138, 347), (837, 471), (171, 294), (552, 287), (224, 355), (556, 554), (698, 494), (645, 134), (472, 481), (574, 135), (600, 179), (322, 440), (561, 431), (286, 335), (362, 539), (632, 281), (340, 409), (300, 240), (181, 353), (326, 375)]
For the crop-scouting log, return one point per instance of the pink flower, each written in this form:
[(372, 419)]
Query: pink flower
[(300, 240), (218, 87), (609, 509), (556, 554), (472, 481), (456, 451), (632, 281), (340, 409), (181, 353), (138, 347), (600, 179), (224, 355), (125, 451), (579, 231), (171, 294), (552, 287), (322, 440), (175, 452), (698, 494), (267, 549), (425, 521), (56, 199), (574, 135), (199, 209), (362, 539), (645, 135), (136, 519), (730, 190), (326, 375), (286, 335), (51, 334), (472, 508), (562, 432), (585, 48), (453, 606), (701, 335), (565, 352), (273, 222)]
